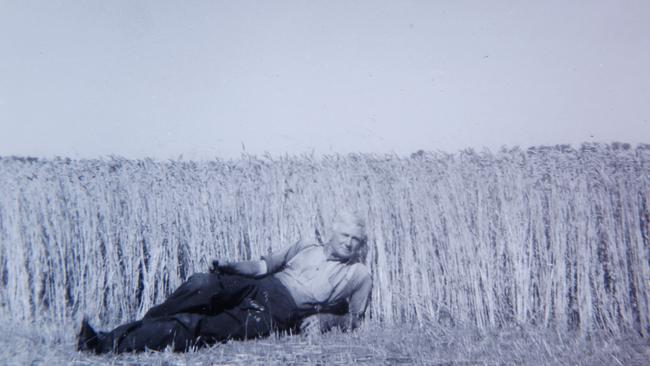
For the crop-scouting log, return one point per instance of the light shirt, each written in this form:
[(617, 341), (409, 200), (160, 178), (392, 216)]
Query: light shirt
[(316, 282)]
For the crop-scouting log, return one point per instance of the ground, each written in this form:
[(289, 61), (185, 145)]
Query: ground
[(374, 344)]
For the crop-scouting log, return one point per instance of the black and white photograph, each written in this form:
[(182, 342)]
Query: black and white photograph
[(291, 182)]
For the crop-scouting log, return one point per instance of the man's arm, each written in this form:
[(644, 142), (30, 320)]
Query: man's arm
[(258, 268), (243, 268), (358, 302)]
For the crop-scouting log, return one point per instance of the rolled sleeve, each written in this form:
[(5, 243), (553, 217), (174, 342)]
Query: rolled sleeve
[(277, 260)]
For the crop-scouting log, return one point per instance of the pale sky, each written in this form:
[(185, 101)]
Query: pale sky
[(202, 79)]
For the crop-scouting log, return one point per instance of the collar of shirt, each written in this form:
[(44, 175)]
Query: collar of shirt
[(329, 254)]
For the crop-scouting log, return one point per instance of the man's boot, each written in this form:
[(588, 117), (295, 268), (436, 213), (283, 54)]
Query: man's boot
[(87, 340)]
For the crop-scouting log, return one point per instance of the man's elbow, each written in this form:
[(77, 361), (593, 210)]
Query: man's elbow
[(257, 269), (262, 269), (355, 321)]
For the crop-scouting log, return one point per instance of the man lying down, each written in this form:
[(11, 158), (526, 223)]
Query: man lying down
[(303, 286)]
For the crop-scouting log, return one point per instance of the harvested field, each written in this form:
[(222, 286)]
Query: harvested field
[(371, 345)]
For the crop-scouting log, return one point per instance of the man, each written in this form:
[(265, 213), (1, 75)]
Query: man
[(305, 286)]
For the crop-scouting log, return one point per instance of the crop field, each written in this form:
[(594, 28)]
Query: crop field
[(522, 256)]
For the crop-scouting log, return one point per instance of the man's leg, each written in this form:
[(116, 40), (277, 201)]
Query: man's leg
[(151, 334), (268, 308), (183, 331), (237, 323), (204, 293)]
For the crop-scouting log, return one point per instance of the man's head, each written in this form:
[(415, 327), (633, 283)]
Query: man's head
[(348, 242)]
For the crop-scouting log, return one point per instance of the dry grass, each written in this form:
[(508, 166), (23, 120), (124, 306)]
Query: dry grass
[(28, 344)]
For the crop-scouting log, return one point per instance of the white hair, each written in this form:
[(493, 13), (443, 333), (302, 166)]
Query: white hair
[(353, 218)]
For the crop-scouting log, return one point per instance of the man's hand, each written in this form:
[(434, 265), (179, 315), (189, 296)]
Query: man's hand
[(214, 268), (310, 325), (321, 323)]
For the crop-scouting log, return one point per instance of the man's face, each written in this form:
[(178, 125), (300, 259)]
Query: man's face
[(346, 240)]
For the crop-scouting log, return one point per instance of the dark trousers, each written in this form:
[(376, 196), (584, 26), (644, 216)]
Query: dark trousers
[(206, 309)]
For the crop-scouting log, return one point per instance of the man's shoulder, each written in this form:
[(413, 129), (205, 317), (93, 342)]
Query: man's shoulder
[(278, 259), (302, 247), (361, 271), (307, 244)]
